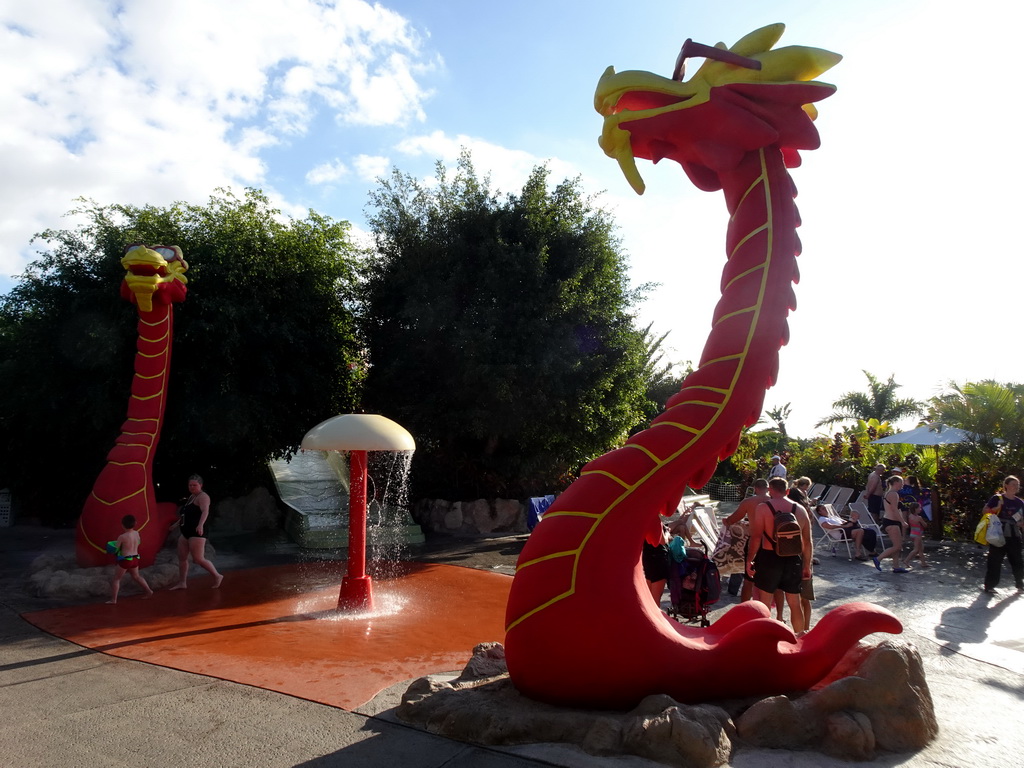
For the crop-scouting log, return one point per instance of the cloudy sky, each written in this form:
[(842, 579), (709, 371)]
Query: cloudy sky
[(910, 251)]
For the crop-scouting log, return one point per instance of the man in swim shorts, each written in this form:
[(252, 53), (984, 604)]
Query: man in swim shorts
[(769, 570)]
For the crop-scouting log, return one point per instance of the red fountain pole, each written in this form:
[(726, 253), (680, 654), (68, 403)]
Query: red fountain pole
[(356, 587), (357, 433)]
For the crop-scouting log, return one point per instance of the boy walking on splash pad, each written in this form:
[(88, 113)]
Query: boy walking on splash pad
[(127, 550)]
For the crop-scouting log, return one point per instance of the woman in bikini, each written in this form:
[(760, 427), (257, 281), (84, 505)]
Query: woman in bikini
[(892, 524), (194, 514)]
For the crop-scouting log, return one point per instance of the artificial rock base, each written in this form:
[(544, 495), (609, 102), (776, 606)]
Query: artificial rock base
[(876, 699)]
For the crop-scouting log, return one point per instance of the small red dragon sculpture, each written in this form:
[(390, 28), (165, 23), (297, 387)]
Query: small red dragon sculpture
[(154, 281), (581, 628)]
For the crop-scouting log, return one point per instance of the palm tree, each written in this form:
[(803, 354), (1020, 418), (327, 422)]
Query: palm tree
[(779, 415), (880, 403), (662, 379), (988, 409)]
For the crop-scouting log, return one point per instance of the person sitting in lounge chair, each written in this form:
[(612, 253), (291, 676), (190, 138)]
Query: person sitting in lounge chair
[(850, 529)]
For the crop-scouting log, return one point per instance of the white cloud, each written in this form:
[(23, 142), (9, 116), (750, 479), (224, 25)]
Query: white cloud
[(371, 167), (508, 168), (325, 173), (366, 168), (147, 103), (360, 237)]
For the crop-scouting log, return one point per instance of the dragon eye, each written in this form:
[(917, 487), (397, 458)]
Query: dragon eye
[(167, 253)]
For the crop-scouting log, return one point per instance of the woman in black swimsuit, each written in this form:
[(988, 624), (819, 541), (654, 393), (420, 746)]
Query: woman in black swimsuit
[(892, 524), (194, 513)]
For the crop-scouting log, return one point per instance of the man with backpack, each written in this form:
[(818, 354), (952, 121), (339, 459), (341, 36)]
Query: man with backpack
[(779, 556), (745, 511)]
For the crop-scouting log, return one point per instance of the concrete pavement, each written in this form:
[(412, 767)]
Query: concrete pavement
[(67, 706)]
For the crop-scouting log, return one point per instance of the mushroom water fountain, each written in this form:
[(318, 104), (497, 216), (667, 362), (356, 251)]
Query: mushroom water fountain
[(357, 433)]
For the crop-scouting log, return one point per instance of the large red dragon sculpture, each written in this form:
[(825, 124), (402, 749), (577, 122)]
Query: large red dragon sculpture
[(581, 627), (154, 281)]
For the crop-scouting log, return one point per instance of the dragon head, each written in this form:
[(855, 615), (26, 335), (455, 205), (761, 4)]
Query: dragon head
[(741, 99), (153, 271)]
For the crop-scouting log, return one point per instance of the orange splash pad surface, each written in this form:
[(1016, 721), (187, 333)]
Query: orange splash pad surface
[(278, 628)]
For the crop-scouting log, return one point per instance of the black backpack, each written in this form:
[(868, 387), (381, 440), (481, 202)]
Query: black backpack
[(788, 539)]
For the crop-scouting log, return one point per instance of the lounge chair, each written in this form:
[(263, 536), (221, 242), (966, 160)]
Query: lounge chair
[(704, 526), (841, 499), (830, 495), (827, 537)]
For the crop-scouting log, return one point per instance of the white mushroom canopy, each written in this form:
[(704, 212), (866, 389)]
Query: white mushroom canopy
[(358, 432)]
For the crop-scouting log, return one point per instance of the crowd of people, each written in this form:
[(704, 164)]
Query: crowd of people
[(778, 573)]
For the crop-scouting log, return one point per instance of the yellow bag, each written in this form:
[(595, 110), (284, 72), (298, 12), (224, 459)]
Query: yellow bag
[(982, 530)]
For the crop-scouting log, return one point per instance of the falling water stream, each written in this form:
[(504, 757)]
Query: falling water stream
[(388, 516), (387, 532)]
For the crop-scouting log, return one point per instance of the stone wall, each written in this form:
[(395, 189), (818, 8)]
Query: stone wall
[(471, 517)]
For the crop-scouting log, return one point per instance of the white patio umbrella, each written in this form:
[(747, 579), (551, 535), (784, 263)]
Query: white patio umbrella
[(930, 434)]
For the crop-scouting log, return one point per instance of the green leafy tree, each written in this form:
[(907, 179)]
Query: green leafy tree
[(264, 347), (824, 460), (499, 331), (752, 457), (879, 402)]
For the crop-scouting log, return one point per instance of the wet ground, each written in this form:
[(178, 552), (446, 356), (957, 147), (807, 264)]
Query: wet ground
[(68, 705)]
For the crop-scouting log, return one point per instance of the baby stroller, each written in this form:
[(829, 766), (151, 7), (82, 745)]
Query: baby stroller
[(694, 585)]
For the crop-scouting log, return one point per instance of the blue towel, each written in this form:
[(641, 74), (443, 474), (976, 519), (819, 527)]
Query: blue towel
[(677, 548), (538, 505)]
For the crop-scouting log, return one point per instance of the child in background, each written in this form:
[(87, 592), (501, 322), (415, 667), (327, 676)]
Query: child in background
[(127, 550), (916, 522)]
